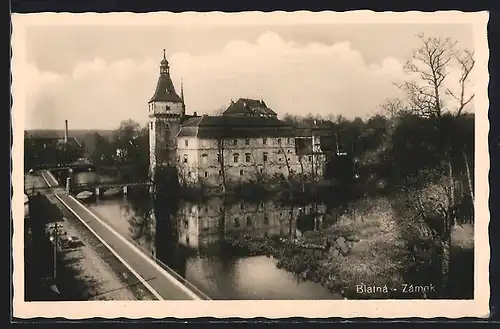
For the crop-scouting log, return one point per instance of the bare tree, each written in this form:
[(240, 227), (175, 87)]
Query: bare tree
[(221, 160), (393, 107), (466, 60), (430, 66), (287, 163), (289, 170)]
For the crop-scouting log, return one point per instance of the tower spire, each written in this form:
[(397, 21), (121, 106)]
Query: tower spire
[(164, 69)]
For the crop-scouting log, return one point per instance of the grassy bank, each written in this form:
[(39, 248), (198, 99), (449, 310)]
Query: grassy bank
[(366, 248)]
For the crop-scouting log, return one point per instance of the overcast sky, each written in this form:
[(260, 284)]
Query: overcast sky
[(96, 76)]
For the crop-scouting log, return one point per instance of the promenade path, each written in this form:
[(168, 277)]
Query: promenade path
[(157, 280)]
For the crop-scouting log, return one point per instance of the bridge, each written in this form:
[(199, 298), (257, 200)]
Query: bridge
[(64, 166), (100, 187)]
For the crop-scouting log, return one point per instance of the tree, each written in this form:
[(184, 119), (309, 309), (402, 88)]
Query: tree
[(124, 138), (221, 161), (429, 69)]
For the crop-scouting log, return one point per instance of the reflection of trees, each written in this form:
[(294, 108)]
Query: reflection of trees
[(141, 221), (166, 239)]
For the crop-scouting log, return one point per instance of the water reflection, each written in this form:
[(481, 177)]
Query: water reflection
[(202, 225), (190, 238)]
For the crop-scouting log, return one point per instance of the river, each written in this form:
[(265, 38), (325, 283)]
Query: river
[(189, 238)]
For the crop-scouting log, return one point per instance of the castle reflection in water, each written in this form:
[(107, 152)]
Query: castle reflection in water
[(201, 225)]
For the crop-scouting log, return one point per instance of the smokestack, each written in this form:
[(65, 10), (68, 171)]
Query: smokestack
[(65, 132)]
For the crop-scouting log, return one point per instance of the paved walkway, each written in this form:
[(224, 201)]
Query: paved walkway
[(157, 280), (160, 283)]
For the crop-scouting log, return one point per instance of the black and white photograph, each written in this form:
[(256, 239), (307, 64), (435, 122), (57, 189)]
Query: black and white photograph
[(261, 159)]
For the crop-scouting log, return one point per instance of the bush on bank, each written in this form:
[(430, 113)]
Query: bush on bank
[(380, 254)]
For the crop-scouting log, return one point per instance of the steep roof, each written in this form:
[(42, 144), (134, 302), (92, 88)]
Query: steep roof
[(248, 107), (208, 127), (165, 90)]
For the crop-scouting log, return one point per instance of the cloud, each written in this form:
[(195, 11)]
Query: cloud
[(291, 78)]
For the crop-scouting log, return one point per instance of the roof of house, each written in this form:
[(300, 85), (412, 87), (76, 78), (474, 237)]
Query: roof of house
[(248, 107), (235, 127), (165, 90)]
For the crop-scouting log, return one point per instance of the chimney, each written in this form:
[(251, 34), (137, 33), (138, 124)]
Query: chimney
[(65, 132), (195, 114)]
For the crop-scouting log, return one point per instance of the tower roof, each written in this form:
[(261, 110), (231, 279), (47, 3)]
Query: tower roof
[(165, 90)]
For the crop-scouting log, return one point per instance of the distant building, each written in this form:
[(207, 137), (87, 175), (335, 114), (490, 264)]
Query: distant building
[(247, 140)]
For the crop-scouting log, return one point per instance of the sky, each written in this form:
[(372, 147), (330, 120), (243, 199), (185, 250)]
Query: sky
[(96, 76)]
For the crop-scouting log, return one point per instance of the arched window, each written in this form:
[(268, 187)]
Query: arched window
[(248, 157), (204, 159), (185, 158), (236, 157), (264, 157)]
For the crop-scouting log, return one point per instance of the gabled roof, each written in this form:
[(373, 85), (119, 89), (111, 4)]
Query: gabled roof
[(248, 107), (208, 127), (165, 90)]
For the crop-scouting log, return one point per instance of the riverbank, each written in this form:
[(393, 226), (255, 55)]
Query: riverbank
[(85, 269), (363, 249)]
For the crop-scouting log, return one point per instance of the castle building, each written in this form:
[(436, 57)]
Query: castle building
[(246, 141)]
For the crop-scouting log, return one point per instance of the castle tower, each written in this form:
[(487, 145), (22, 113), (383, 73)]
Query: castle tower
[(166, 110)]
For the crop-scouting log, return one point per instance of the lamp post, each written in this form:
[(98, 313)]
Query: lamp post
[(54, 238)]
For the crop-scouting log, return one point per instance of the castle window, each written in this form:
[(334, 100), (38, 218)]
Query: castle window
[(151, 125), (249, 221), (186, 142), (310, 158), (185, 158), (248, 157), (247, 141), (242, 206), (206, 174), (279, 141), (241, 172), (204, 159), (264, 141), (265, 157), (236, 157), (261, 170), (220, 172), (235, 142), (236, 223), (289, 141)]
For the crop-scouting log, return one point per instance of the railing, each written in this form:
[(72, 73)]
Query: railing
[(62, 165), (167, 269), (109, 185), (170, 271)]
